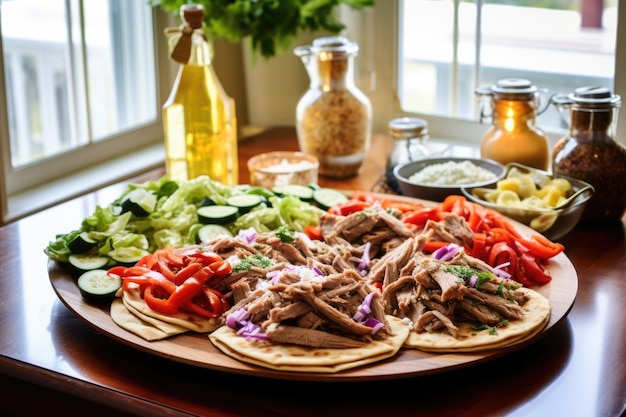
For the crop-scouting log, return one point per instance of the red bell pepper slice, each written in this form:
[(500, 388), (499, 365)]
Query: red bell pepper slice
[(187, 272), (504, 257), (313, 232), (349, 207), (157, 303), (533, 269)]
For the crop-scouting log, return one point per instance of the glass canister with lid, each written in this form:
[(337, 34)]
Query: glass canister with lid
[(409, 136), (513, 135), (333, 117), (590, 152)]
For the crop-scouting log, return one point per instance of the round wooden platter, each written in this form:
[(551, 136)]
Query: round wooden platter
[(197, 349)]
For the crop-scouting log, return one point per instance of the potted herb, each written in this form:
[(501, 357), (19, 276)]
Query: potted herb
[(270, 25)]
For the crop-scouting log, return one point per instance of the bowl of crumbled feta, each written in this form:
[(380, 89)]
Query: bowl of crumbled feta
[(436, 178)]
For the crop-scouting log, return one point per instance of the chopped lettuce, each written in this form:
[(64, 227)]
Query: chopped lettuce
[(174, 221)]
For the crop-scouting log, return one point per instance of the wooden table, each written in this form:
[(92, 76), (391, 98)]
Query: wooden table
[(52, 361)]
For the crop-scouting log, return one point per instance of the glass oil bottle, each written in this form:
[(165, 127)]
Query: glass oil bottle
[(199, 118)]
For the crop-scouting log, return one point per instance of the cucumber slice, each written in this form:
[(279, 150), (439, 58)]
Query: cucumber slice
[(81, 243), (217, 214), (303, 192), (127, 256), (211, 231), (207, 201), (261, 191), (244, 202), (140, 202), (326, 198), (98, 285), (82, 262)]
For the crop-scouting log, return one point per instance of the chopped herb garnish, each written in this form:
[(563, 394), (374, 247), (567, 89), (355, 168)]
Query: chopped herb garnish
[(285, 234), (492, 329), (256, 260), (465, 273)]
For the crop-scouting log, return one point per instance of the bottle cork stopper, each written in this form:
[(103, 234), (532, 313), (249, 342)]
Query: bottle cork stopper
[(193, 14)]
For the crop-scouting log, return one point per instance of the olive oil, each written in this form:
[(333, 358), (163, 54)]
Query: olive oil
[(199, 119)]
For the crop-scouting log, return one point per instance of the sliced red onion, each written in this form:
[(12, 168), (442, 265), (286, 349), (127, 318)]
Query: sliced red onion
[(374, 324), (364, 309), (445, 253), (473, 280), (500, 272), (237, 318), (252, 331), (318, 271), (365, 259), (247, 235)]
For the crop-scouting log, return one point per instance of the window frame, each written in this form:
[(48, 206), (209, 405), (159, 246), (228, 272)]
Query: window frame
[(384, 15), (26, 189)]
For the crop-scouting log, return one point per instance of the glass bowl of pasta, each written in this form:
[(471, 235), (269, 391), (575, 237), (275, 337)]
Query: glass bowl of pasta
[(550, 204)]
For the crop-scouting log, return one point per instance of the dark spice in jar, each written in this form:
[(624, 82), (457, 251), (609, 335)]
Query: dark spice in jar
[(601, 164), (590, 153)]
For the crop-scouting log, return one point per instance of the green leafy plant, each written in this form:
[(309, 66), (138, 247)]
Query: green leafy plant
[(269, 24)]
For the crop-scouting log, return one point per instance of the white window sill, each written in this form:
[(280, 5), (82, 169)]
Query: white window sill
[(30, 201), (36, 199)]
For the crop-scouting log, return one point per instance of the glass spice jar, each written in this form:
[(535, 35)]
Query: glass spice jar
[(333, 117), (409, 135), (589, 151)]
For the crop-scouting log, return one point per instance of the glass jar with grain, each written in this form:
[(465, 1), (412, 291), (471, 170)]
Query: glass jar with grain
[(589, 151), (333, 117)]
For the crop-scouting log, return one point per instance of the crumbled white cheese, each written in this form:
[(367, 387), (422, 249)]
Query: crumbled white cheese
[(452, 173)]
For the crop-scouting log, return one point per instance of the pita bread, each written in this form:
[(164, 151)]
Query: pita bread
[(537, 314), (284, 357), (143, 326)]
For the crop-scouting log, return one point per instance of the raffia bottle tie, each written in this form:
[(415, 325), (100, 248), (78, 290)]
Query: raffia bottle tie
[(589, 151), (513, 135), (199, 117), (333, 117)]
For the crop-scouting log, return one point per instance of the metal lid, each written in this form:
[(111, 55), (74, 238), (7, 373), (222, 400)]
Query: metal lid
[(594, 97), (408, 127), (510, 89)]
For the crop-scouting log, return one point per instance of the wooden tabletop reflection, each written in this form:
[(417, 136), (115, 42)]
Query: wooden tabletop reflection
[(51, 360)]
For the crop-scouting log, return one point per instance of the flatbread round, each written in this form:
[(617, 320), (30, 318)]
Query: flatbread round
[(284, 357), (537, 314), (143, 326), (194, 322)]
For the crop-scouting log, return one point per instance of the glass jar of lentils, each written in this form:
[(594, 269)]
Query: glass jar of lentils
[(333, 117)]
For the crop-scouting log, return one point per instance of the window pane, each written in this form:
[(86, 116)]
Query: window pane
[(35, 62), (75, 72), (448, 49)]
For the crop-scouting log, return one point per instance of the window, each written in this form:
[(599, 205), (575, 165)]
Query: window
[(445, 49), (79, 86)]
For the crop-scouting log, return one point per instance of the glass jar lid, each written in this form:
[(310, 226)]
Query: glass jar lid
[(407, 127), (594, 97), (510, 89)]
